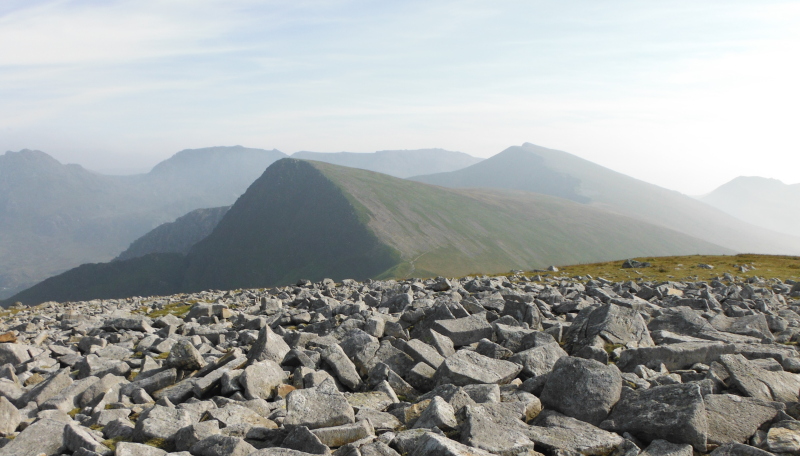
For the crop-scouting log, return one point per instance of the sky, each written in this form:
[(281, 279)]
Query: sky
[(683, 94)]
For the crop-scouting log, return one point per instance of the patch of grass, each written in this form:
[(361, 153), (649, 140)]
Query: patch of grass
[(132, 376), (96, 427), (609, 348), (112, 443), (158, 443), (663, 268), (176, 308), (161, 355), (74, 412), (10, 312)]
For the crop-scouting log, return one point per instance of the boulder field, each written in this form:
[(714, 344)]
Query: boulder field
[(508, 365)]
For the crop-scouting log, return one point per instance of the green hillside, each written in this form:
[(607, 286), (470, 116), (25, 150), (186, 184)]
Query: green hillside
[(291, 223), (439, 231), (553, 172), (304, 219), (398, 163)]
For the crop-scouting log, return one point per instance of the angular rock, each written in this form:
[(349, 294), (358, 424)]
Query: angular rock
[(423, 353), (439, 445), (268, 346), (464, 331), (323, 406), (762, 384), (438, 414), (345, 370), (467, 367), (233, 414), (44, 436), (186, 437), (161, 423), (663, 448), (76, 438), (539, 360), (685, 321), (674, 356), (185, 356), (137, 449), (739, 449), (301, 439), (259, 380), (9, 417), (49, 388), (337, 436), (222, 445), (582, 388), (734, 419), (784, 437), (748, 325), (554, 431), (13, 353), (607, 325), (675, 413), (494, 432)]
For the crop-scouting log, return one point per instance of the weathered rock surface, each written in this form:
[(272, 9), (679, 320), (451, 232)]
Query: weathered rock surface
[(675, 413), (490, 365), (600, 388)]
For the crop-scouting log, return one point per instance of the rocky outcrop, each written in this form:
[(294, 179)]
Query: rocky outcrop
[(482, 366)]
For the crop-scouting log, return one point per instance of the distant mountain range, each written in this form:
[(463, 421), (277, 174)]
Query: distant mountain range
[(552, 172), (178, 236), (54, 216), (398, 163), (768, 203), (525, 207), (306, 219)]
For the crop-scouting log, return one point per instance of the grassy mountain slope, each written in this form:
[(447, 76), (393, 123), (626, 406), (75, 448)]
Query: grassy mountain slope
[(291, 223), (304, 219), (768, 203), (439, 231), (54, 217), (398, 163), (533, 168), (151, 275), (178, 236)]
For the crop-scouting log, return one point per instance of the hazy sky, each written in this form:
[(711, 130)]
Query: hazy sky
[(684, 94)]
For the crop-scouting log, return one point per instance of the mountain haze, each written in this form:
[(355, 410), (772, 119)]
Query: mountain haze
[(398, 163), (54, 216), (305, 219), (178, 236), (538, 169), (768, 203)]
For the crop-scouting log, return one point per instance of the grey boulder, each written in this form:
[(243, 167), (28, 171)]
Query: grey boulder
[(467, 367), (672, 412), (582, 388), (318, 407)]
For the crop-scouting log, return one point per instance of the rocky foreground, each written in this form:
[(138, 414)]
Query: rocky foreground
[(504, 365)]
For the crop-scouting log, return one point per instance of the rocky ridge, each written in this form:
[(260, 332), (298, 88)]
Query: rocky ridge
[(509, 365)]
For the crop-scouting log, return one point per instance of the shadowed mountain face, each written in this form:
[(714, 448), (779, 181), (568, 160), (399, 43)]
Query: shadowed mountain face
[(552, 172), (178, 236), (291, 223), (304, 219), (768, 203), (54, 217), (397, 163)]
